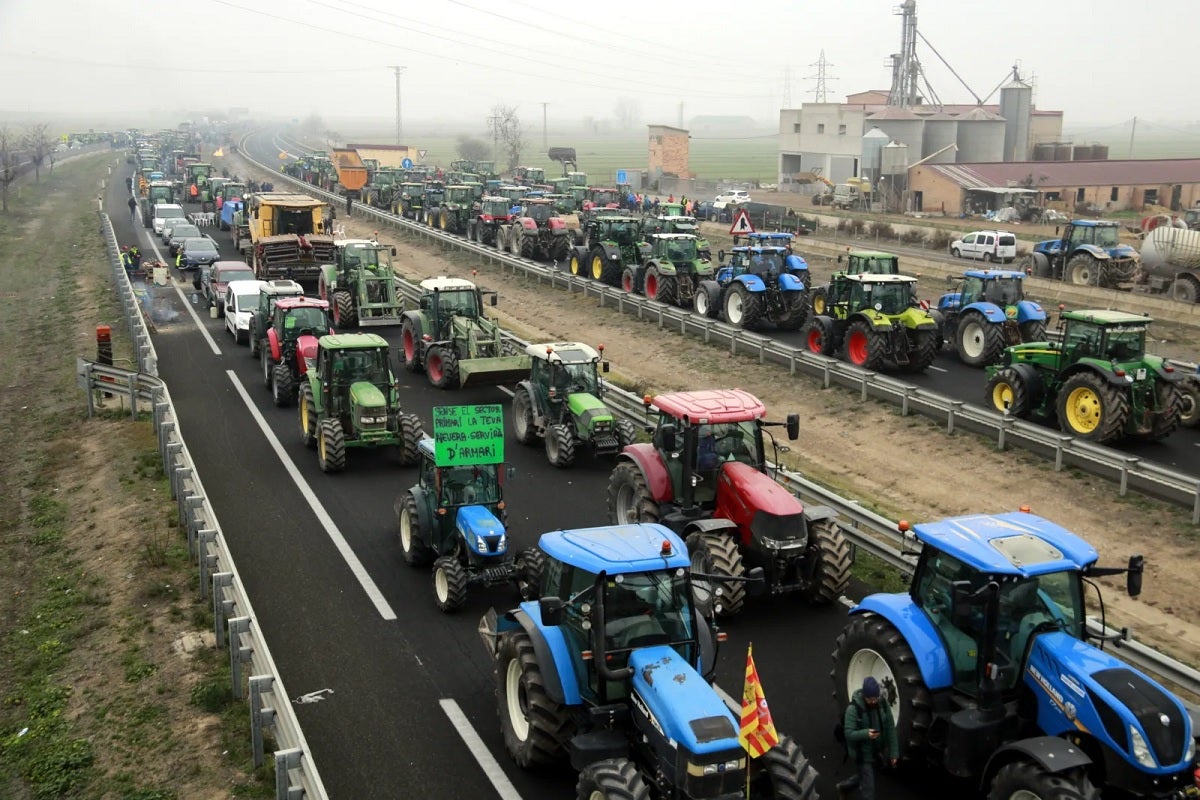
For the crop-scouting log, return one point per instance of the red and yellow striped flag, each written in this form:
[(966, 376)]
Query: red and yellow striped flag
[(757, 734)]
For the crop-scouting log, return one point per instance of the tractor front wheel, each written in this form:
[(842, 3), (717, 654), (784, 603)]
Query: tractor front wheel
[(331, 446), (1033, 331), (819, 302), (924, 351), (626, 433), (717, 554), (413, 545), (441, 367), (410, 342), (827, 563), (283, 386), (267, 364), (979, 342), (1189, 403), (707, 301), (818, 336), (611, 779), (629, 281), (629, 498), (529, 566), (786, 774), (411, 434), (1092, 409), (344, 314), (864, 347), (308, 416), (1008, 392), (795, 311), (449, 584), (535, 728), (560, 446), (1025, 779)]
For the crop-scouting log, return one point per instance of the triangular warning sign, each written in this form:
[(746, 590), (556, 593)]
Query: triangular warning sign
[(741, 224), (421, 153)]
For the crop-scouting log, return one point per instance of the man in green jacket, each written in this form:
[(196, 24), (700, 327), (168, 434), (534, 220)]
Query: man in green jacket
[(870, 739)]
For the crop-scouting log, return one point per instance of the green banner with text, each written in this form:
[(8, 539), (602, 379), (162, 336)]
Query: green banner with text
[(467, 435)]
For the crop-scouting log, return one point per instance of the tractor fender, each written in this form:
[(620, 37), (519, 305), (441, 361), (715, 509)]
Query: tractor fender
[(611, 251), (658, 480), (1032, 378), (328, 281), (273, 344), (1099, 367), (306, 347), (724, 275), (918, 630), (709, 526), (795, 263), (791, 283), (817, 513), (551, 650), (753, 283), (991, 312), (1028, 311), (1098, 253), (950, 301), (664, 267), (1049, 752)]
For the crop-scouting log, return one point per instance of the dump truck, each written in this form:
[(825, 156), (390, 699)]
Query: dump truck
[(290, 236), (351, 172)]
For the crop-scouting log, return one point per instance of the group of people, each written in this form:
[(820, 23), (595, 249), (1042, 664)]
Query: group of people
[(636, 201), (131, 259)]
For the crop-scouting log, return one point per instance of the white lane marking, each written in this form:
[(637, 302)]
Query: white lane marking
[(186, 303), (938, 369), (476, 747), (335, 535)]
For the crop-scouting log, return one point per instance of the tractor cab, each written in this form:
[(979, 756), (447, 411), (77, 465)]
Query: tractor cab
[(459, 195), (1109, 336), (1003, 288), (869, 263), (493, 208), (270, 294), (453, 490), (767, 239), (680, 249), (887, 294), (356, 382), (756, 260), (446, 298), (624, 231), (563, 369), (300, 316)]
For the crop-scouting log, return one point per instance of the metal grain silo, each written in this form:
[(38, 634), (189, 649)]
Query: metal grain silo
[(1016, 106), (980, 137), (1083, 152), (1100, 152), (1043, 151), (900, 125), (1062, 151), (941, 131), (894, 160)]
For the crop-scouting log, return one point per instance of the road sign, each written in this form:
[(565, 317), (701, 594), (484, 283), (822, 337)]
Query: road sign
[(406, 163), (622, 176), (741, 224), (466, 435), (421, 153)]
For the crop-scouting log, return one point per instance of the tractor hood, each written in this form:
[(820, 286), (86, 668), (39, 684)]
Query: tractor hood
[(757, 491), (366, 395), (756, 503), (483, 533), (1078, 686), (588, 409), (671, 697)]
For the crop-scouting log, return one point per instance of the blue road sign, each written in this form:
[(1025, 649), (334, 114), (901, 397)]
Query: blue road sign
[(406, 163)]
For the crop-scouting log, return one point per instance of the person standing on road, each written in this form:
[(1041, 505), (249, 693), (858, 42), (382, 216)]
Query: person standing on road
[(349, 204), (132, 207), (870, 739)]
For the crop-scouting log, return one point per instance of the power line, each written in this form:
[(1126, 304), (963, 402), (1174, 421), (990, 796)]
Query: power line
[(167, 68)]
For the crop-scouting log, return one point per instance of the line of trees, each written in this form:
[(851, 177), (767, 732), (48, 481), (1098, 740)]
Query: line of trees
[(33, 146)]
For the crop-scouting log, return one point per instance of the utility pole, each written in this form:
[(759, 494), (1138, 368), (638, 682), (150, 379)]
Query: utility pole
[(494, 122), (544, 125), (820, 91), (399, 122), (681, 115), (1132, 131)]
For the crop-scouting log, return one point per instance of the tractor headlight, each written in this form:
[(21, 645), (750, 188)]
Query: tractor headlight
[(1191, 751), (715, 769), (481, 544), (1141, 751)]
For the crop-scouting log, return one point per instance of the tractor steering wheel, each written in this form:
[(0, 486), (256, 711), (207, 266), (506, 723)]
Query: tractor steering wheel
[(306, 332)]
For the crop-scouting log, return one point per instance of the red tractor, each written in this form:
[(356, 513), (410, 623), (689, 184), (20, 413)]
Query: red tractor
[(297, 323), (705, 476)]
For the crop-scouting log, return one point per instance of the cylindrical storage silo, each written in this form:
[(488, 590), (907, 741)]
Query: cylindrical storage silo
[(1083, 152), (894, 159), (900, 125), (1062, 151), (1043, 151), (980, 137), (873, 142), (941, 131), (1016, 106)]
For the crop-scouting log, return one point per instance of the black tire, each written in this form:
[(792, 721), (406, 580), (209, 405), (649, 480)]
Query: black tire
[(575, 265), (560, 445), (308, 416), (267, 366), (668, 290), (1007, 390), (977, 341), (867, 638), (611, 779), (786, 773), (1185, 289), (523, 423), (256, 344), (629, 282), (629, 498), (535, 728), (331, 446), (345, 315), (1169, 399), (1083, 270), (714, 553), (827, 568), (449, 584), (742, 307), (441, 367), (818, 302), (414, 544), (819, 337), (283, 386), (529, 566), (411, 433), (626, 433), (1033, 331), (955, 252), (528, 247), (1027, 779), (923, 352), (863, 347), (1091, 408), (410, 346), (707, 302), (559, 249), (1189, 403), (653, 286), (796, 311)]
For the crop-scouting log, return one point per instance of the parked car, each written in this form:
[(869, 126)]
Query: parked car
[(211, 283), (733, 197), (197, 252), (241, 299), (175, 232), (987, 245), (163, 212)]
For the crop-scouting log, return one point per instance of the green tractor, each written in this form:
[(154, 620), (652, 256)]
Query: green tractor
[(563, 402), (854, 263), (350, 400), (454, 211), (453, 342), (678, 223), (611, 242), (408, 200), (431, 200), (361, 285), (1098, 380), (670, 272), (873, 322)]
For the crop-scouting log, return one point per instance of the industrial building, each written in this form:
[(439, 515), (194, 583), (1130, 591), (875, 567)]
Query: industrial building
[(669, 152)]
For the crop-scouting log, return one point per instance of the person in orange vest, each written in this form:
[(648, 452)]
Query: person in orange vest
[(193, 191)]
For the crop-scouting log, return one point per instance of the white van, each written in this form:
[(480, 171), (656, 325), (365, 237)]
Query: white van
[(987, 245), (241, 300), (165, 211)]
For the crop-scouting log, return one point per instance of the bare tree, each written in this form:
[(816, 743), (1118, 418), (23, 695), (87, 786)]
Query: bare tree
[(472, 148), (39, 145), (313, 124), (505, 127), (9, 157), (628, 111)]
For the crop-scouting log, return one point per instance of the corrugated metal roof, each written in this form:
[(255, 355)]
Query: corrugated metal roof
[(1146, 172)]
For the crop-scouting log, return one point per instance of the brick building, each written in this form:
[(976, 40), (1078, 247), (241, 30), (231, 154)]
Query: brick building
[(668, 152)]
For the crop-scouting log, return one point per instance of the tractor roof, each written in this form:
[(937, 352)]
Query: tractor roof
[(617, 549), (711, 406), (770, 235), (994, 273), (867, 277), (361, 242), (690, 236), (620, 217), (301, 302), (282, 200), (1016, 543), (427, 446), (1107, 317), (443, 284), (743, 248), (871, 254), (563, 352), (530, 200), (1095, 223), (282, 286), (352, 341)]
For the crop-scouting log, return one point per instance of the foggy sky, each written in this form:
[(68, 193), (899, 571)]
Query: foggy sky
[(1100, 61)]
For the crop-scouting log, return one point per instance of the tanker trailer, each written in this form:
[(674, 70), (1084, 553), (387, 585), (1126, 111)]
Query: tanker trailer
[(1170, 263)]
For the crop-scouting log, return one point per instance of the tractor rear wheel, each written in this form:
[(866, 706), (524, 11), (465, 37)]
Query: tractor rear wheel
[(786, 774), (267, 364), (1189, 403), (529, 566), (596, 263), (795, 311), (924, 351), (629, 498), (283, 386), (611, 779), (1033, 331), (441, 367), (560, 446), (1169, 398), (715, 553), (445, 220), (1083, 270), (979, 342), (1090, 408), (411, 434), (818, 336), (819, 302), (1025, 779), (559, 249), (413, 545), (449, 584), (742, 307), (410, 344), (629, 281), (864, 347), (827, 563), (344, 313), (523, 424), (256, 344), (331, 446), (535, 728), (1007, 391), (626, 433), (870, 645), (308, 416), (707, 301), (528, 247)]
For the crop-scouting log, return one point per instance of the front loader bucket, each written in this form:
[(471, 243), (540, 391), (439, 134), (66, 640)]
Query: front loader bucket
[(379, 314), (492, 371)]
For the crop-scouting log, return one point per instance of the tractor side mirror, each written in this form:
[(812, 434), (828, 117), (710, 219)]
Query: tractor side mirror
[(494, 299), (950, 279), (1133, 579), (756, 583), (424, 303), (510, 472), (666, 438), (793, 427), (605, 366), (552, 610), (393, 251)]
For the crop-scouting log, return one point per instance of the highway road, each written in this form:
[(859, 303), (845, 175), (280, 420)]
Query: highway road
[(409, 705)]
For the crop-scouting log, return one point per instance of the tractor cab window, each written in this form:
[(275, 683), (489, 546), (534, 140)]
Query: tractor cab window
[(681, 250), (1106, 236), (293, 220), (971, 290), (299, 319), (887, 298), (646, 609), (574, 378), (539, 212), (459, 194), (1002, 291), (621, 232), (362, 256), (351, 366), (1026, 605), (457, 302), (496, 208), (1125, 344), (471, 485), (764, 261), (729, 441), (934, 592), (1081, 340)]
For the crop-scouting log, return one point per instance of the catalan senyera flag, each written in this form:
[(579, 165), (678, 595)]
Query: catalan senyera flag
[(757, 733)]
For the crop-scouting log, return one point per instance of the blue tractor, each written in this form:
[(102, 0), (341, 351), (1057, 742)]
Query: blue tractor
[(987, 665), (762, 282), (1088, 253), (987, 312), (455, 517), (612, 671)]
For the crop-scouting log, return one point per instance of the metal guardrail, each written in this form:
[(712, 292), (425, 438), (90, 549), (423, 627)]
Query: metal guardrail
[(235, 624)]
